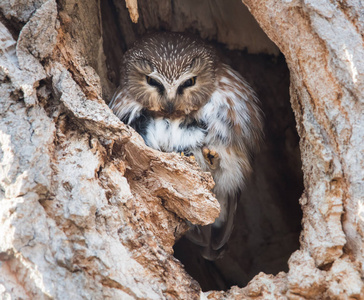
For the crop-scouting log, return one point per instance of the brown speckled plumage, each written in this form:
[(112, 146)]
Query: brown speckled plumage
[(179, 96)]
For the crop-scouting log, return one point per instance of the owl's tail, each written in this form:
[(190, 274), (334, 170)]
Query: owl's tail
[(213, 238)]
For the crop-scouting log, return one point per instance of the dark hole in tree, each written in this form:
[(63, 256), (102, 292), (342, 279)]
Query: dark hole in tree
[(268, 219)]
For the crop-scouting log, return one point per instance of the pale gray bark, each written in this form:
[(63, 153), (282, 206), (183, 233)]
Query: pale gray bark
[(87, 211)]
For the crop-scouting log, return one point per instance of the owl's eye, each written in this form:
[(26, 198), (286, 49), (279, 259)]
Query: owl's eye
[(189, 82), (152, 81), (155, 83)]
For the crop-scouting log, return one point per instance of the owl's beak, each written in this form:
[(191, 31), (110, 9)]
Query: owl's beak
[(169, 107)]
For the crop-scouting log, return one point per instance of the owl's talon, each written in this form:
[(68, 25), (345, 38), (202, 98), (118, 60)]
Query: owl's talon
[(211, 156), (213, 153), (187, 153)]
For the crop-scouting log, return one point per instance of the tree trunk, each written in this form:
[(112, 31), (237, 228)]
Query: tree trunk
[(89, 212)]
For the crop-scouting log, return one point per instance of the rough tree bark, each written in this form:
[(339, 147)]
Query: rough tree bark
[(88, 211), (323, 46)]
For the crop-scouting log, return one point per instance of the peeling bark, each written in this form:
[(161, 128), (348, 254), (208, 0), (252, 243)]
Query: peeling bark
[(132, 6), (88, 211)]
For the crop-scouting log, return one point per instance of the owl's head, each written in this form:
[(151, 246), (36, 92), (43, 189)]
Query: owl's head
[(170, 73)]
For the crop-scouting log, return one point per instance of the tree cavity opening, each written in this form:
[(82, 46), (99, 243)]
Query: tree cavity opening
[(268, 218)]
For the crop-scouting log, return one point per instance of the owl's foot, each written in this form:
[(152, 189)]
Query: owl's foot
[(187, 154), (211, 156)]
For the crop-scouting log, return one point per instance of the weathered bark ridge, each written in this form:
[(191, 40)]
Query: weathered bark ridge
[(88, 211)]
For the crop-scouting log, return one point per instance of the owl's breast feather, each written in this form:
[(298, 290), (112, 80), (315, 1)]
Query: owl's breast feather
[(173, 135)]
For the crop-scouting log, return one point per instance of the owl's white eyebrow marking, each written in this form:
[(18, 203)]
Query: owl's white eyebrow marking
[(225, 80)]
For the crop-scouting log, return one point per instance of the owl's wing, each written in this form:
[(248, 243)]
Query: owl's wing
[(234, 129), (233, 116), (124, 107)]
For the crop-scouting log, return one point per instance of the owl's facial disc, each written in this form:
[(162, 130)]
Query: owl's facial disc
[(169, 92), (169, 89)]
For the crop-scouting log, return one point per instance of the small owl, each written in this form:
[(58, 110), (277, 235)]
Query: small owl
[(180, 97)]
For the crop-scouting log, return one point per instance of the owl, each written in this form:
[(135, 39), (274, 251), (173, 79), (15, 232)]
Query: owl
[(180, 97)]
